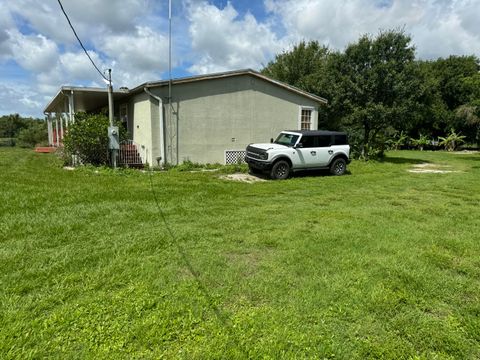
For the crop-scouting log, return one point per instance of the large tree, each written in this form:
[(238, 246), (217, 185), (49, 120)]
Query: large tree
[(300, 66), (379, 88)]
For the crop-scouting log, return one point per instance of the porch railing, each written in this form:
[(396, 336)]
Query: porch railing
[(129, 156)]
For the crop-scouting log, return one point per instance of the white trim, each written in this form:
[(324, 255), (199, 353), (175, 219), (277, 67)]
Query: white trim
[(313, 117)]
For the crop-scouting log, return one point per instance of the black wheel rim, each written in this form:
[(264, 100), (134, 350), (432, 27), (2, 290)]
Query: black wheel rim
[(339, 167), (281, 170)]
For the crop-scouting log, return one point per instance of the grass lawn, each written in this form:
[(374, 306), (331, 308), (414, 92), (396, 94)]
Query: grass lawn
[(381, 263)]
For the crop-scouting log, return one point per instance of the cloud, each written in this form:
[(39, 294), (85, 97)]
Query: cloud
[(138, 53), (438, 28), (222, 40), (89, 17), (17, 98), (32, 52)]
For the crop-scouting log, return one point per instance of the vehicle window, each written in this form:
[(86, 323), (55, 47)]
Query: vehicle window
[(324, 140), (308, 141), (286, 139), (340, 139)]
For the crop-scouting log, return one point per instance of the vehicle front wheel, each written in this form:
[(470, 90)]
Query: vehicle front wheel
[(338, 167), (280, 170)]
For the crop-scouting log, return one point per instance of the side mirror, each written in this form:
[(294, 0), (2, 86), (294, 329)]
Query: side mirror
[(299, 145), (271, 140)]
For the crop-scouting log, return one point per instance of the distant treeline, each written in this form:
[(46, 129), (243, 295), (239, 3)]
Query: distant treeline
[(381, 94), (20, 131)]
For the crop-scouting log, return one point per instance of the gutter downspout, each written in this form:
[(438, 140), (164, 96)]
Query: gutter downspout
[(161, 124)]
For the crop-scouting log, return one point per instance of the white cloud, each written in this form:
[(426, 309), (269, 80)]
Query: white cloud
[(32, 52), (18, 98), (89, 17), (222, 40), (140, 50), (77, 67), (438, 28)]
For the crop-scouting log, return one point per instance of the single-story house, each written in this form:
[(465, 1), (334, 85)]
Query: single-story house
[(206, 119)]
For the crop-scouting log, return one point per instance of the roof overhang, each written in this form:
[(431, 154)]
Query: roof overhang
[(84, 99), (226, 75)]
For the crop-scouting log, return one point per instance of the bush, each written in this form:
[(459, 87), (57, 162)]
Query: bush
[(34, 134), (87, 138), (7, 142)]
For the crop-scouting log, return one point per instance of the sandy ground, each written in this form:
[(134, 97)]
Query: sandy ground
[(242, 178), (427, 168)]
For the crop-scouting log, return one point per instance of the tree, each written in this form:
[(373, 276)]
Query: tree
[(300, 66), (10, 125), (380, 88), (87, 137)]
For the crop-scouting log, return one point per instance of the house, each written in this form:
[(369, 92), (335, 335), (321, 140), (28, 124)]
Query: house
[(209, 118)]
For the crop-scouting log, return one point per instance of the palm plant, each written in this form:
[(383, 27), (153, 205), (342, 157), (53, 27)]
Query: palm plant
[(421, 141), (452, 140)]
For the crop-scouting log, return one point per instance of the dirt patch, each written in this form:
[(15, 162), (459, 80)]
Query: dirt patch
[(427, 168), (465, 152), (242, 178)]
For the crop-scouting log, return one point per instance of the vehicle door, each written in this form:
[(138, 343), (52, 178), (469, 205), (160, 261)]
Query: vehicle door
[(308, 152), (315, 151)]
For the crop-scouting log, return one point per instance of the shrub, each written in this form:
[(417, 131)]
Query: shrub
[(87, 138), (34, 134)]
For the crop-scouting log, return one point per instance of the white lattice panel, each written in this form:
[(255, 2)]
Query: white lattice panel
[(235, 156)]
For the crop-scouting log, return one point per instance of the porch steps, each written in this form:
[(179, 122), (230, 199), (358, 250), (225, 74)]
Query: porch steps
[(45, 149), (129, 157)]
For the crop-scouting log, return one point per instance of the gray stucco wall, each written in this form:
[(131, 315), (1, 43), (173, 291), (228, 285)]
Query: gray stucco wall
[(141, 130), (216, 115)]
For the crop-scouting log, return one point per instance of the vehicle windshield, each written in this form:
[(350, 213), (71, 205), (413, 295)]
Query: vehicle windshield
[(286, 139)]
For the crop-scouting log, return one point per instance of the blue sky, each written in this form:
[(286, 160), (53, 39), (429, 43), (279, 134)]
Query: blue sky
[(39, 54)]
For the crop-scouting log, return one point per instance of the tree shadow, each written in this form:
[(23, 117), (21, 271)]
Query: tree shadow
[(402, 160)]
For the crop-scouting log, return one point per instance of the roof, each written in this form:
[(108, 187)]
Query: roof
[(227, 74), (86, 98), (316, 132), (90, 98)]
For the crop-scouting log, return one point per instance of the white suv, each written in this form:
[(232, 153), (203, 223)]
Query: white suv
[(295, 150)]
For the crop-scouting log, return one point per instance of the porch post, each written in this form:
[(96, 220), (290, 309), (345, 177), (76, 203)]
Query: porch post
[(61, 126), (56, 129), (71, 108), (49, 129)]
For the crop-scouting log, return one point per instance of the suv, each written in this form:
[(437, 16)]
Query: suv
[(295, 150)]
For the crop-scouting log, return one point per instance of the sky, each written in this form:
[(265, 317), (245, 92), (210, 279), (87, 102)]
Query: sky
[(39, 53)]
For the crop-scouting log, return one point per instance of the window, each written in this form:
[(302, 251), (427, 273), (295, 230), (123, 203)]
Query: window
[(308, 141), (324, 140), (340, 140), (306, 119), (286, 139)]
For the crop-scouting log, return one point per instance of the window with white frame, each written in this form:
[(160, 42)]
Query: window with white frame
[(306, 119)]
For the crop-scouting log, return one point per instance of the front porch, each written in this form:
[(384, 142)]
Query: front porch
[(60, 114)]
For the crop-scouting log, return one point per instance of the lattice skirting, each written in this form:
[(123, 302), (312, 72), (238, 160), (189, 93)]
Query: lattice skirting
[(235, 156)]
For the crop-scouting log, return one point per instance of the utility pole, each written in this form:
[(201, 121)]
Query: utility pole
[(170, 80), (112, 130), (110, 97)]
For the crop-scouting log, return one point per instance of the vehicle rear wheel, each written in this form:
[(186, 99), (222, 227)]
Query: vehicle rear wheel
[(280, 170), (338, 167)]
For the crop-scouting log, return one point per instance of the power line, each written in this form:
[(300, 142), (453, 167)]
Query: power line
[(80, 42)]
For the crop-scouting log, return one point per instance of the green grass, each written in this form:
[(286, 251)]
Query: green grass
[(381, 263)]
